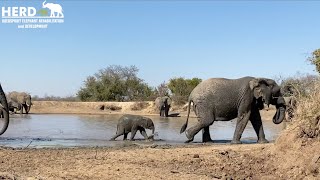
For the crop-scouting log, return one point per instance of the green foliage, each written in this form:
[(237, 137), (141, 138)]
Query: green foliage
[(315, 59), (181, 88), (115, 83)]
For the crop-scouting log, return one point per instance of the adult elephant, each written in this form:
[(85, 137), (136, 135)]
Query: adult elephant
[(22, 98), (163, 104), (4, 112), (220, 99)]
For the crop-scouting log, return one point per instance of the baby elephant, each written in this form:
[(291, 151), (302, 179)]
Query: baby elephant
[(132, 123)]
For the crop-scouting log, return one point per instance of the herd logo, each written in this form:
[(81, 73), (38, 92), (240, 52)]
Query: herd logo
[(29, 17), (53, 8)]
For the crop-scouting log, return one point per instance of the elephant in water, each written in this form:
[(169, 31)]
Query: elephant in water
[(163, 104), (4, 111), (22, 98), (220, 99), (132, 123)]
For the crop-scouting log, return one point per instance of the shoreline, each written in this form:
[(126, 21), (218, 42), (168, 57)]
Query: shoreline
[(143, 108)]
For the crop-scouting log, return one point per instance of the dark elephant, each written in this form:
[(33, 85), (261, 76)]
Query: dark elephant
[(164, 105), (22, 98), (14, 106), (220, 99), (132, 123), (4, 111)]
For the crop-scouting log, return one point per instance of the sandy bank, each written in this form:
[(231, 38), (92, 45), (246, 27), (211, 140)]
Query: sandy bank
[(140, 108)]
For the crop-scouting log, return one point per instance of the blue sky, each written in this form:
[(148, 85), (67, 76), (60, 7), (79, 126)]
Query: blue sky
[(164, 39)]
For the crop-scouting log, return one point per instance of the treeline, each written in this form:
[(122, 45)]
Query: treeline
[(121, 83)]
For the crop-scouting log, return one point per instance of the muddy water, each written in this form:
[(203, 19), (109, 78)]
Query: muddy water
[(94, 130)]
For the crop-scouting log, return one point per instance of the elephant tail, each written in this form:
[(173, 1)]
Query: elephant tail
[(184, 127)]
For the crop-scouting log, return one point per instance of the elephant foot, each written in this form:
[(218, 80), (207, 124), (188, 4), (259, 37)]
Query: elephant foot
[(112, 139), (263, 141), (189, 138), (188, 141), (208, 141), (236, 142)]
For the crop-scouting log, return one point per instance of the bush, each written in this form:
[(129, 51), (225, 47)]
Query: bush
[(181, 88), (298, 85), (308, 113), (315, 59), (115, 83)]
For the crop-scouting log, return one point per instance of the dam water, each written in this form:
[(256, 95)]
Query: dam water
[(47, 130)]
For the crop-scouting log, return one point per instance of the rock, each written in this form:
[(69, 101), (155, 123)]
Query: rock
[(196, 156)]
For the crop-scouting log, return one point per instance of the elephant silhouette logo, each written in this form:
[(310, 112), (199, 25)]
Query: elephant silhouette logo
[(54, 8)]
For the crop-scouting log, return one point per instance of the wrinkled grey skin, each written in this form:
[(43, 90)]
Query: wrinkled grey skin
[(4, 111), (291, 104), (23, 99), (163, 104), (220, 99), (132, 123)]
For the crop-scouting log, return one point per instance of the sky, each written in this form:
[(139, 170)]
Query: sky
[(164, 39)]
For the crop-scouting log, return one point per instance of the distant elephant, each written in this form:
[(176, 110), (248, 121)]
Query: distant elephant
[(14, 106), (23, 99), (291, 104), (220, 99), (132, 123), (53, 8), (163, 104), (4, 111)]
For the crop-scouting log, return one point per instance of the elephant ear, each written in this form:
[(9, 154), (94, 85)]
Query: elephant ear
[(261, 88)]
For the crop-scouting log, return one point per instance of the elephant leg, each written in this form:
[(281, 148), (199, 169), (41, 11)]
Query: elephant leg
[(205, 119), (120, 131), (143, 133), (25, 108), (242, 122), (256, 122), (167, 111), (206, 134), (133, 132), (115, 136), (125, 136)]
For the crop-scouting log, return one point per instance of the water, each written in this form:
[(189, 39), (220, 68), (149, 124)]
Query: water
[(95, 130)]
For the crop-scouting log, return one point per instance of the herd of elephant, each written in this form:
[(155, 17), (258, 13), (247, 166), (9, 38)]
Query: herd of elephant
[(215, 99)]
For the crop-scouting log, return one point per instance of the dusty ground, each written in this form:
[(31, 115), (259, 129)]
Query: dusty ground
[(289, 158), (199, 161)]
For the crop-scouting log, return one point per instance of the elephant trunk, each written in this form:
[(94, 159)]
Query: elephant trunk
[(28, 103), (43, 5), (281, 109), (5, 111)]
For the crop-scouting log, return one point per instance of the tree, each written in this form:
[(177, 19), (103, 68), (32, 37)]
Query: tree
[(181, 88), (315, 59), (114, 83)]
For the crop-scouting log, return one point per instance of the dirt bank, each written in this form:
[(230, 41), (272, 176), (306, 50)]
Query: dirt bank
[(198, 161), (291, 157), (141, 108)]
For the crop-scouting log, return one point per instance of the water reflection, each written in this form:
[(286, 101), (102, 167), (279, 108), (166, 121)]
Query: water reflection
[(95, 130)]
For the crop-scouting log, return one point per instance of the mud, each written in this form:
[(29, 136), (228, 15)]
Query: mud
[(48, 130)]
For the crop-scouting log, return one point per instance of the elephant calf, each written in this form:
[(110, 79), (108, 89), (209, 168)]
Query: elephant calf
[(132, 123)]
